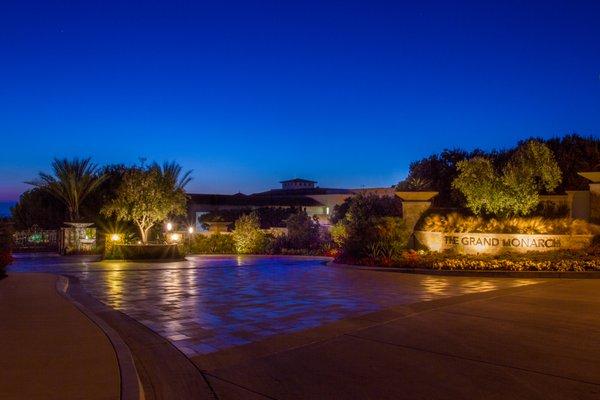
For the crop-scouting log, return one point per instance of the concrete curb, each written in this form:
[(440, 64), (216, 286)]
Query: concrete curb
[(293, 256), (131, 386), (164, 371), (483, 273)]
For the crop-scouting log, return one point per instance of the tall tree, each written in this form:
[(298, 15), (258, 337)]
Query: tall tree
[(71, 182), (149, 195), (531, 170), (438, 171), (38, 207), (173, 174), (575, 153)]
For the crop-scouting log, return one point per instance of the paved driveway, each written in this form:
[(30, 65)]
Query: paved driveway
[(207, 304)]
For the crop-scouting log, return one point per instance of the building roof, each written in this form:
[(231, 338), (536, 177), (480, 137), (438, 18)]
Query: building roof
[(288, 197), (302, 192), (242, 200), (298, 180)]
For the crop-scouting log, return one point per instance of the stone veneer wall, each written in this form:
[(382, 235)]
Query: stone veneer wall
[(595, 202), (412, 211), (496, 243)]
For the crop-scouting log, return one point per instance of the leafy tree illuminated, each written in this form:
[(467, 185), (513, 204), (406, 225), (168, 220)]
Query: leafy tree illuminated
[(573, 153), (531, 170), (149, 195), (248, 237)]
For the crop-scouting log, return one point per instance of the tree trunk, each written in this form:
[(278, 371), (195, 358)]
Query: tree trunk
[(145, 234)]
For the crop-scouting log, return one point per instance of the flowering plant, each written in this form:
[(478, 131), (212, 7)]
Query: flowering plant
[(5, 259)]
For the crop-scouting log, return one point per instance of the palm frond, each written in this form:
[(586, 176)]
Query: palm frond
[(173, 174), (71, 181)]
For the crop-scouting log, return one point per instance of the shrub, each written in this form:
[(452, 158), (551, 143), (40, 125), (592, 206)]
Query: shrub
[(367, 205), (248, 237), (113, 252), (391, 239), (302, 232), (111, 249), (269, 217), (414, 184), (6, 259), (6, 241), (213, 244), (566, 260), (339, 234), (371, 230), (304, 237), (455, 222), (594, 248), (552, 261)]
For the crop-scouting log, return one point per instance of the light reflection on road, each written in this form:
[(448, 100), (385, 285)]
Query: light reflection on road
[(210, 303)]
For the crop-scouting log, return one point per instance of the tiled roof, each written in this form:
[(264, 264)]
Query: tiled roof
[(281, 197), (302, 192), (252, 200), (298, 180)]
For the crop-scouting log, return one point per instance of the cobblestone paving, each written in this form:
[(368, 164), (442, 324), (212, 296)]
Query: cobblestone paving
[(210, 303)]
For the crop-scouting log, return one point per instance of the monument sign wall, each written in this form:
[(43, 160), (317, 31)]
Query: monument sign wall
[(496, 243)]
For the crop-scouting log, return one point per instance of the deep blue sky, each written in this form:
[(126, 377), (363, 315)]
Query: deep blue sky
[(247, 93)]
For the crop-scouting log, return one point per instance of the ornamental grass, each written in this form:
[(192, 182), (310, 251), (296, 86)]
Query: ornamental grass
[(455, 222)]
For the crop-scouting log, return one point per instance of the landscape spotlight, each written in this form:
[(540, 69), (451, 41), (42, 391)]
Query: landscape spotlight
[(191, 230), (169, 226), (115, 237), (175, 237)]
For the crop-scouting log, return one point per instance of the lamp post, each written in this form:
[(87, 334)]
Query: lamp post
[(191, 232), (168, 235)]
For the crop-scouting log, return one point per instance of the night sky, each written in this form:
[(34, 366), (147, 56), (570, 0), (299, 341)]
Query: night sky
[(248, 93)]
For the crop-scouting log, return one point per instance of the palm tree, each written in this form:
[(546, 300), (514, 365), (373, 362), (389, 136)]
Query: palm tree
[(172, 173), (71, 182)]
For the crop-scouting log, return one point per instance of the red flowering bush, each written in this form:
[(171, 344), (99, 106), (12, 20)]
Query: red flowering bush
[(5, 259), (331, 252), (551, 261), (411, 258), (568, 260), (594, 248), (5, 245)]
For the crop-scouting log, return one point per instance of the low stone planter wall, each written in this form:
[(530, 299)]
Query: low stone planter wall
[(149, 252), (496, 243)]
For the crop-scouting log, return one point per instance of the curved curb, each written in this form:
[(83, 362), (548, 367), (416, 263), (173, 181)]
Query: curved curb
[(164, 371), (291, 256), (482, 273), (131, 386), (142, 260)]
